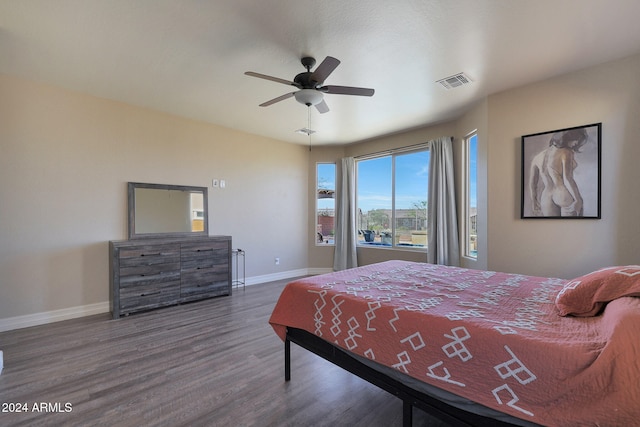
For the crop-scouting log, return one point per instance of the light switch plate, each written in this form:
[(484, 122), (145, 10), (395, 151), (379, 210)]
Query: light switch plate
[(214, 183)]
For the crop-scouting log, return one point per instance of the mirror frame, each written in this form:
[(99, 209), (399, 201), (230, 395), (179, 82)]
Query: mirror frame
[(131, 188)]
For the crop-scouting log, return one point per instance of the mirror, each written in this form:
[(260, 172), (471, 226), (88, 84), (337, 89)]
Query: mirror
[(158, 210)]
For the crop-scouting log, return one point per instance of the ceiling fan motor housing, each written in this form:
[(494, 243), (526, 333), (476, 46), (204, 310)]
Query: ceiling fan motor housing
[(304, 80)]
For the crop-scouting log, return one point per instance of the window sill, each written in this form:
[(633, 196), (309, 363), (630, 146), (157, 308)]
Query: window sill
[(400, 247)]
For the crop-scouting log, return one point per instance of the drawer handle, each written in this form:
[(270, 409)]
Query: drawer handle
[(155, 254), (150, 293), (160, 273)]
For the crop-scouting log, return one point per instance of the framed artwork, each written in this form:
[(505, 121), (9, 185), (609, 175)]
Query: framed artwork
[(561, 173)]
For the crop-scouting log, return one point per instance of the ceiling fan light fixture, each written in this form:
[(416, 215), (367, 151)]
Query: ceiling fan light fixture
[(308, 97)]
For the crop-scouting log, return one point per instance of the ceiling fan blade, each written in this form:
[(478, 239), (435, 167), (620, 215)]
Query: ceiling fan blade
[(273, 79), (322, 107), (347, 90), (324, 69), (278, 99)]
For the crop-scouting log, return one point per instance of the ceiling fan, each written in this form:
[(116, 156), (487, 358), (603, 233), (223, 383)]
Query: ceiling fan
[(310, 84)]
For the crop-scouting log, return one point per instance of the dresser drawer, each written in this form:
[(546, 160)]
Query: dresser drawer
[(204, 282), (150, 278), (203, 255), (140, 297), (149, 255), (147, 272)]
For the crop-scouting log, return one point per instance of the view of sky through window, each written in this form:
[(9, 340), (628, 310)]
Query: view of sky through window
[(374, 181), (473, 171)]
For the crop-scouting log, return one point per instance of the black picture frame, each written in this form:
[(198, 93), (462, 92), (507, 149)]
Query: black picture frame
[(561, 173)]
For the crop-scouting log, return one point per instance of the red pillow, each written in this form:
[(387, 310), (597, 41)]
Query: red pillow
[(586, 295)]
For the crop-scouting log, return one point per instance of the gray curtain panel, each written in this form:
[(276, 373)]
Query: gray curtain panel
[(345, 255), (442, 222)]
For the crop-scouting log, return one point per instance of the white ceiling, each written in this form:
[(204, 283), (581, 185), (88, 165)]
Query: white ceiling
[(188, 57)]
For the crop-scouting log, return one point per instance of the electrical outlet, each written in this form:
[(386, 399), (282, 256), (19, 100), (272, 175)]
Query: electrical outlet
[(277, 261)]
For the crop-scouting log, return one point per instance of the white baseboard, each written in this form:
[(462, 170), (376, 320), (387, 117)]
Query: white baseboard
[(286, 275), (317, 271), (276, 276), (36, 319)]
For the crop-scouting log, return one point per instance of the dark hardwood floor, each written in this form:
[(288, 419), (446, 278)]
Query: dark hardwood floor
[(211, 363)]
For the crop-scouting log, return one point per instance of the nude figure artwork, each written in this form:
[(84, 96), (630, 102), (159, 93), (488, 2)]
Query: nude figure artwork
[(554, 167), (561, 173)]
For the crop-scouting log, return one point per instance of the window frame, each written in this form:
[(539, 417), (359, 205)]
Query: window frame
[(317, 211), (467, 226), (419, 148)]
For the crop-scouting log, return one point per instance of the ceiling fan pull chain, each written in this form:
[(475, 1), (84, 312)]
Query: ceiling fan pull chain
[(309, 124)]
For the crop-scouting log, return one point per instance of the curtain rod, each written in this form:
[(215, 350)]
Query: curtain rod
[(395, 150)]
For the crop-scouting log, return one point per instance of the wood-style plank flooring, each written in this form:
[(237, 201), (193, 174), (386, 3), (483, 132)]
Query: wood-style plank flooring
[(210, 363)]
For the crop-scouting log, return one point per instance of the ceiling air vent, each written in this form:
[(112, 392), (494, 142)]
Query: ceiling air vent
[(454, 81)]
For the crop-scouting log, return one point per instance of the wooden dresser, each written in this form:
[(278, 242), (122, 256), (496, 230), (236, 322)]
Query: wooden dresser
[(152, 273)]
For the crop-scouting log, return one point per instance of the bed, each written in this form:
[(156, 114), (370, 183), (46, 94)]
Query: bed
[(478, 347)]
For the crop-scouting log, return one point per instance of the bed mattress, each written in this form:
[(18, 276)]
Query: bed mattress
[(492, 338)]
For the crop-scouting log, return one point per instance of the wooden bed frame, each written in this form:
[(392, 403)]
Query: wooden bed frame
[(409, 396)]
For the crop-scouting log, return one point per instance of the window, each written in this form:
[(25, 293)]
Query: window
[(325, 203), (470, 214), (392, 199)]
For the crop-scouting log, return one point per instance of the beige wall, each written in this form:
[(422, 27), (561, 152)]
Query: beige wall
[(65, 159), (610, 94)]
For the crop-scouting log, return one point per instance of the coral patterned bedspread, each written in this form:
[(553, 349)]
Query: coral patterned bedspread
[(493, 338)]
